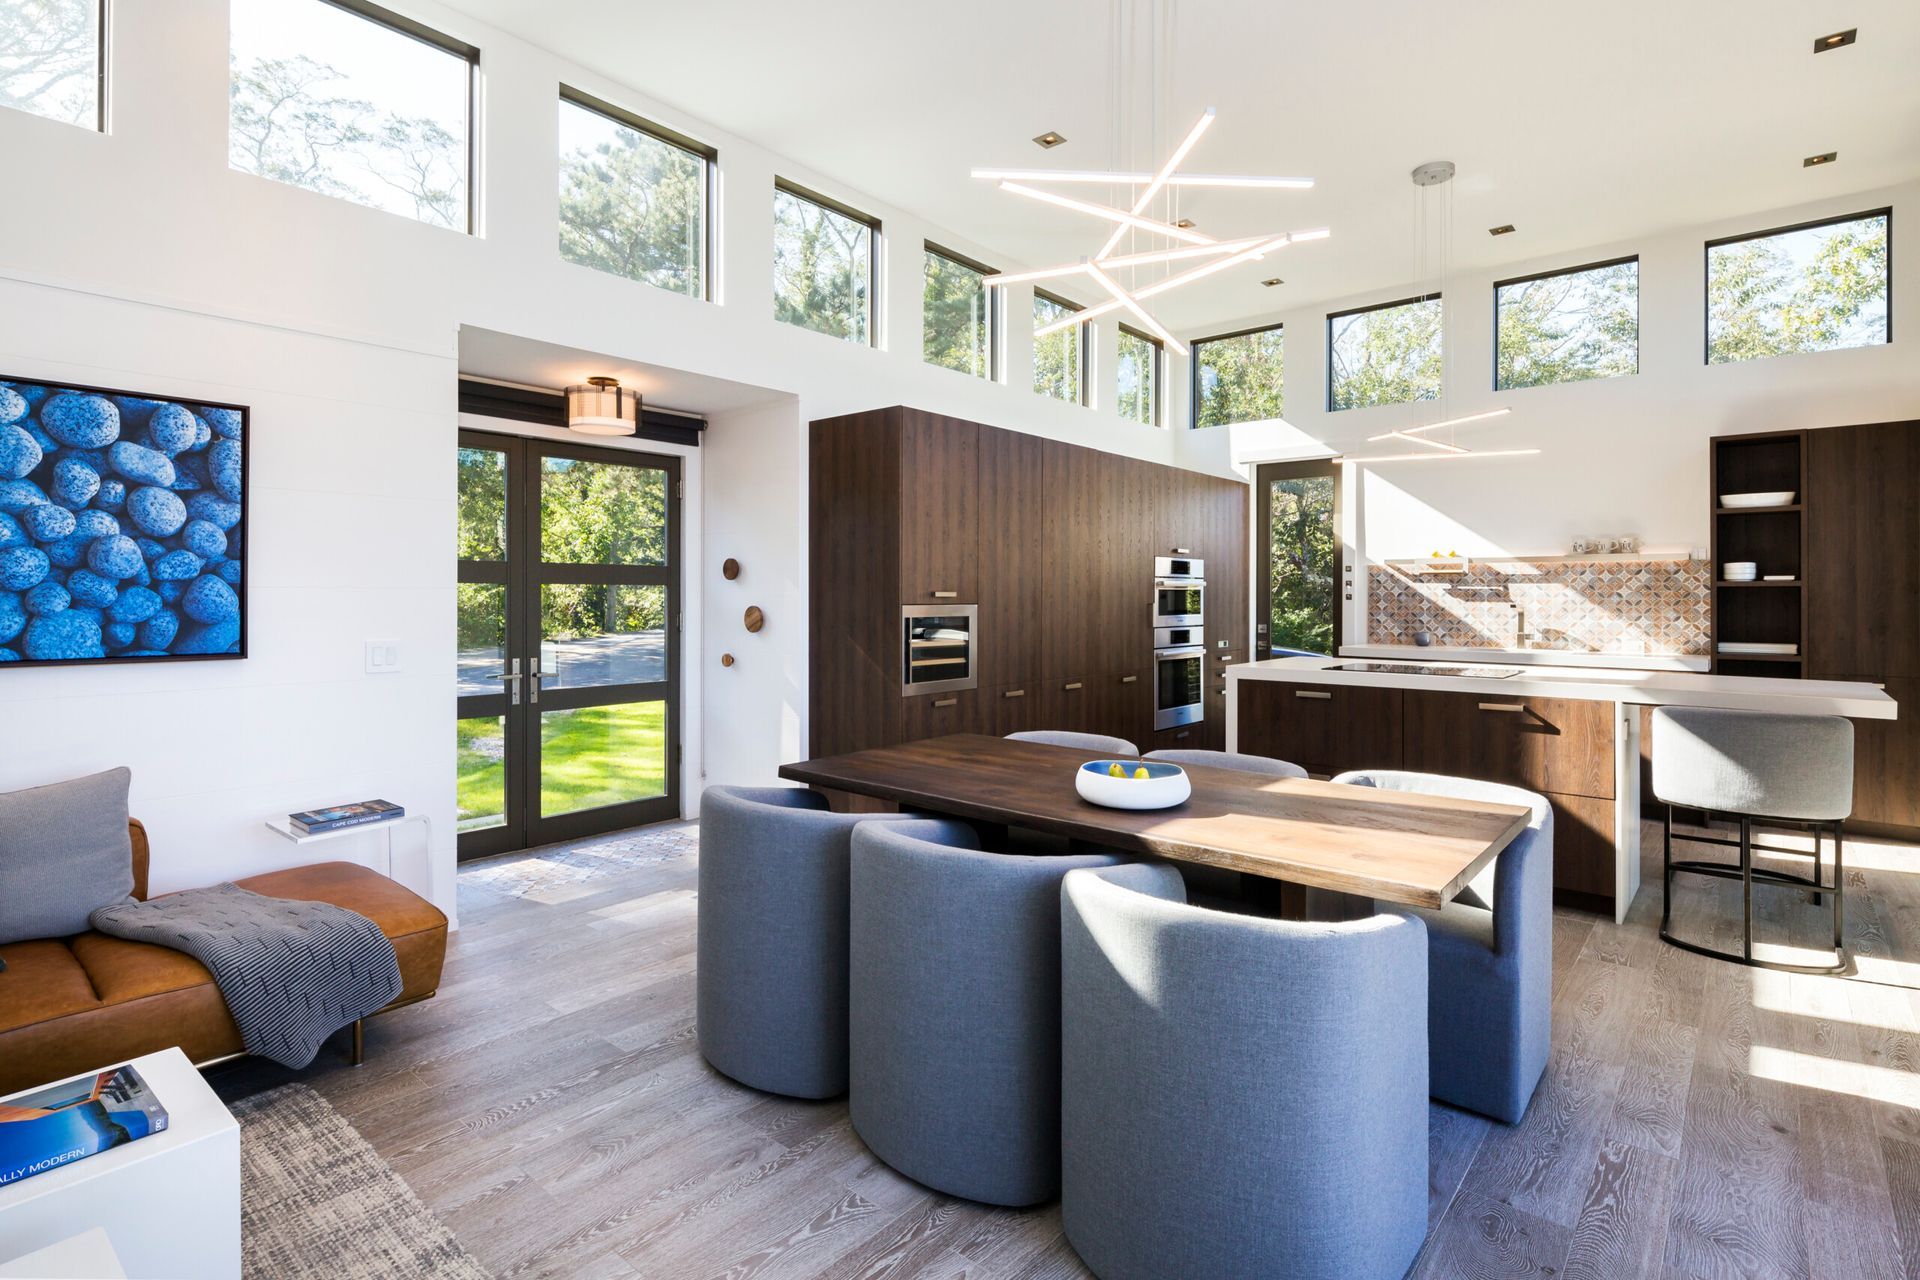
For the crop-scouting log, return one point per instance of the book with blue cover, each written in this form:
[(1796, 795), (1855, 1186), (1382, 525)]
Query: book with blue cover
[(333, 818), (47, 1128)]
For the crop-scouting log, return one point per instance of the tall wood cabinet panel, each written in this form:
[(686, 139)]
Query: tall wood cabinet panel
[(1011, 568), (939, 509), (854, 546), (1071, 546)]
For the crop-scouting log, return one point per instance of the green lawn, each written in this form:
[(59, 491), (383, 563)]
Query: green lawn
[(590, 757)]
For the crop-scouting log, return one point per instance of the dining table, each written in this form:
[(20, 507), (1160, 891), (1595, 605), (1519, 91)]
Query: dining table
[(1320, 850)]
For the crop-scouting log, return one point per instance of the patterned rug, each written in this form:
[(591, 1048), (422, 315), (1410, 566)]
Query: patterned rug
[(557, 872), (320, 1204)]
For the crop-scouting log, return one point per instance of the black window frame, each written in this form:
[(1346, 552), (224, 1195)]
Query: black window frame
[(1435, 296), (1082, 331), (868, 220), (1498, 285), (708, 154), (1706, 272), (401, 25), (1157, 417), (995, 304), (1193, 366)]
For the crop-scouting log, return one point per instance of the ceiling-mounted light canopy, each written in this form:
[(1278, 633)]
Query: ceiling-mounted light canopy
[(602, 407)]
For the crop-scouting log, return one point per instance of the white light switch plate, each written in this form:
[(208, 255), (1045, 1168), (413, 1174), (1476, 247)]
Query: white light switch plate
[(383, 657)]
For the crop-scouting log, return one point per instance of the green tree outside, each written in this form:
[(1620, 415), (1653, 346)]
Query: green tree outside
[(631, 204), (1567, 328), (1056, 357), (956, 328), (822, 268), (1241, 379), (1391, 355), (1138, 378), (1304, 565), (49, 58), (1815, 289)]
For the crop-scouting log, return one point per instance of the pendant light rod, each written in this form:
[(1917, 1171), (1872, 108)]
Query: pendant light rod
[(1120, 296), (1450, 422), (1160, 179), (1260, 249), (1461, 456), (1104, 177), (1102, 211)]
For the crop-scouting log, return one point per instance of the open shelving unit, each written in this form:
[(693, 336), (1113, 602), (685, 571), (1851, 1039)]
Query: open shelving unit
[(1774, 538)]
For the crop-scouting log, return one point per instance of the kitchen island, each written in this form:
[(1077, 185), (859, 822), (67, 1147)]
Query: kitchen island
[(1570, 733)]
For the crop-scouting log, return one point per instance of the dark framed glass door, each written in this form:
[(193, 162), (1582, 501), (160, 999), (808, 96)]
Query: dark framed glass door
[(1305, 579), (569, 655)]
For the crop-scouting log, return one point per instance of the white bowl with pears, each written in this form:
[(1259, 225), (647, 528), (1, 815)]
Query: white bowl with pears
[(1132, 784)]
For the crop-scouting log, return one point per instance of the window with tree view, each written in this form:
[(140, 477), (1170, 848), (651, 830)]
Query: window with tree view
[(1567, 326), (1056, 356), (957, 316), (327, 98), (52, 60), (1809, 288), (822, 267), (632, 203), (1302, 554), (1384, 355), (1139, 378), (1239, 377)]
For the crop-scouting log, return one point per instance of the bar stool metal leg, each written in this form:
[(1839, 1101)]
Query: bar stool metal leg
[(1746, 889)]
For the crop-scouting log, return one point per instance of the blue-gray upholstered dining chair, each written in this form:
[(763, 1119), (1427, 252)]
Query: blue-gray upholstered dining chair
[(1239, 1096), (955, 1012), (1236, 760), (1099, 743), (1762, 769), (771, 948), (1490, 967)]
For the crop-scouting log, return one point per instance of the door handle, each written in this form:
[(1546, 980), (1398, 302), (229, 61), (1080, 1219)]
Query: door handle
[(1071, 685), (1320, 694), (1013, 693), (946, 702), (946, 595), (1519, 707), (1128, 679), (512, 677), (533, 680)]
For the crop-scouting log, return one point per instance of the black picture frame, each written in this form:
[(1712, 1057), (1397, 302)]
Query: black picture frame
[(242, 526)]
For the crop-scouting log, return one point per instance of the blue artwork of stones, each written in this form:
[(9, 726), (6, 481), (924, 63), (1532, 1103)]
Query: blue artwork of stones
[(122, 525)]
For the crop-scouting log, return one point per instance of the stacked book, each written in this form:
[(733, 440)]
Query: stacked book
[(77, 1118), (314, 821)]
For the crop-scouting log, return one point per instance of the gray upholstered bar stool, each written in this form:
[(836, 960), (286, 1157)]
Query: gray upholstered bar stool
[(1229, 760), (771, 948), (1206, 1133), (955, 1027), (1759, 768), (1489, 958), (1097, 742)]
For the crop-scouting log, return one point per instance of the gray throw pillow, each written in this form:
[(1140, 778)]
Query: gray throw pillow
[(64, 850)]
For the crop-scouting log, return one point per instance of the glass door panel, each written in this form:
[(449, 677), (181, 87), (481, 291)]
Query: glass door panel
[(481, 764), (602, 633), (1301, 600), (593, 757)]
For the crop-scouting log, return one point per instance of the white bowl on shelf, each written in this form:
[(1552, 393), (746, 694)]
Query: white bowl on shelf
[(1735, 647), (1164, 786), (1774, 498), (1739, 571)]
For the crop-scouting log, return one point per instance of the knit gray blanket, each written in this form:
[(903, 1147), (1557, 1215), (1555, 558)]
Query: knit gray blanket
[(292, 973)]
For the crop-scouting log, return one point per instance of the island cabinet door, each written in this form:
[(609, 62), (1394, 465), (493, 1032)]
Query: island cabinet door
[(1562, 745), (939, 509), (1325, 729)]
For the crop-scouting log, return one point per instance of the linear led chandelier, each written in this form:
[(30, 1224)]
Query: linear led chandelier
[(1214, 255)]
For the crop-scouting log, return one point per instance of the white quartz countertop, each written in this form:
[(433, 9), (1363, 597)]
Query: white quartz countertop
[(1526, 657), (1601, 684)]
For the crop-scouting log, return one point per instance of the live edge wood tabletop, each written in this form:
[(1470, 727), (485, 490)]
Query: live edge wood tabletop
[(1392, 846)]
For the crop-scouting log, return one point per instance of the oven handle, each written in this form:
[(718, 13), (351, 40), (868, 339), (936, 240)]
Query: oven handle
[(1179, 584), (1186, 651)]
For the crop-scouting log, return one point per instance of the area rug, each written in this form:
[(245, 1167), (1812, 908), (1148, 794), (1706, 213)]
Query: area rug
[(318, 1202), (557, 872)]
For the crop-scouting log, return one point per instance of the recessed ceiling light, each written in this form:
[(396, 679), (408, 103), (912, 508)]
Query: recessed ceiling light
[(1838, 40), (1825, 157), (1185, 224), (1049, 140), (1271, 283), (1504, 229)]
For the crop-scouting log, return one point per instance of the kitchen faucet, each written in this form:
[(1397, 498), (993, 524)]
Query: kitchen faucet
[(1522, 638)]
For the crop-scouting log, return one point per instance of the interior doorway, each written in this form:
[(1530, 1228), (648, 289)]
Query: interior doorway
[(1301, 586), (568, 709)]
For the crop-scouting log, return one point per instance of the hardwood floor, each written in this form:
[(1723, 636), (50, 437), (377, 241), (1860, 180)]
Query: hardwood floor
[(1697, 1118)]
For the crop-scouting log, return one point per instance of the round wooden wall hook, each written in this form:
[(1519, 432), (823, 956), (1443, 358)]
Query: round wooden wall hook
[(726, 659), (729, 568), (755, 619)]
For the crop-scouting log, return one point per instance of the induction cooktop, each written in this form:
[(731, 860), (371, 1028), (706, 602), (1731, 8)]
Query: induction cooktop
[(1411, 669)]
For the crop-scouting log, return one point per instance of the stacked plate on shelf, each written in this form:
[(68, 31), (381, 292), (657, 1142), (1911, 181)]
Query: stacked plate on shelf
[(1740, 571), (1734, 648), (1774, 498)]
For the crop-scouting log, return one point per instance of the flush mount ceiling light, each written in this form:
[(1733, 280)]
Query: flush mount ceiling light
[(1825, 157), (1434, 181), (602, 407), (1504, 229), (1838, 40), (1048, 140), (1272, 281)]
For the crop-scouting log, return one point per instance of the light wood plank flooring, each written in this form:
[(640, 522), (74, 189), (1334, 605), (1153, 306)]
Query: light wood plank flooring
[(1697, 1119)]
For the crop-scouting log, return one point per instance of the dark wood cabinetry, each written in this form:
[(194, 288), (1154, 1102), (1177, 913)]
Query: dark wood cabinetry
[(1325, 729), (1772, 538), (1543, 744), (1053, 543)]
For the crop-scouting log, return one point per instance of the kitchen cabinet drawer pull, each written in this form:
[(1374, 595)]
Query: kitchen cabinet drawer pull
[(1225, 661), (1013, 693), (1312, 693), (1520, 707), (946, 595), (1182, 734), (1071, 685), (1128, 679), (946, 702)]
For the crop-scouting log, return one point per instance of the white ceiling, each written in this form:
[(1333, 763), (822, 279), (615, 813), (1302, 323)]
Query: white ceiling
[(506, 357), (1580, 124)]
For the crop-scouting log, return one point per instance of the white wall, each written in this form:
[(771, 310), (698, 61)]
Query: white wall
[(137, 259)]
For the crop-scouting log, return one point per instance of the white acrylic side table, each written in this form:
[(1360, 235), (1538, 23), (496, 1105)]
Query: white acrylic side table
[(169, 1203), (284, 829)]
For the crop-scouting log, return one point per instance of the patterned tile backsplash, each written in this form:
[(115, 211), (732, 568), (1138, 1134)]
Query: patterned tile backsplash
[(1597, 606)]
